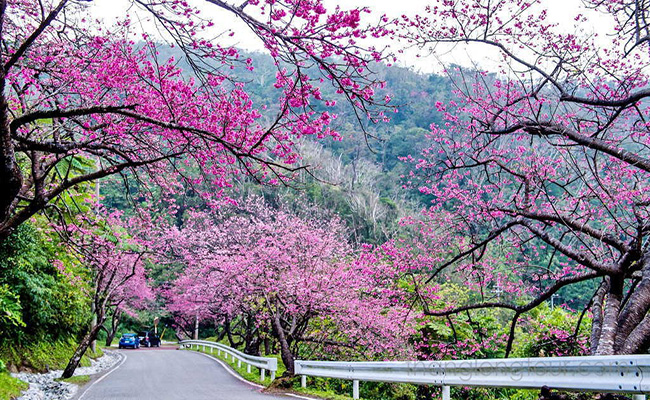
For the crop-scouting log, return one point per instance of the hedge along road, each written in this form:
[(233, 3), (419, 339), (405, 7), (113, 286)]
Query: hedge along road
[(161, 374)]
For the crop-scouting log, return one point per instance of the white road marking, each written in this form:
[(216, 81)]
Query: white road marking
[(236, 375), (230, 371), (103, 376), (299, 396)]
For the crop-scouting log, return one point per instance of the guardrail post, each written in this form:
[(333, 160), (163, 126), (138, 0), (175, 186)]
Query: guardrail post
[(446, 393), (218, 352), (303, 381), (211, 348), (272, 376), (203, 347), (262, 374), (355, 389), (248, 368), (238, 363)]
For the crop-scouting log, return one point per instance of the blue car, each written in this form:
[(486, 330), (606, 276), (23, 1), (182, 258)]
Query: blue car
[(129, 340)]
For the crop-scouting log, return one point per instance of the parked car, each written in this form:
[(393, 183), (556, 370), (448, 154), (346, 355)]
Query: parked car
[(149, 339), (129, 340)]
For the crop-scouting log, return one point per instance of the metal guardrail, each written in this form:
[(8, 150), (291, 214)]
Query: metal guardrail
[(609, 374), (263, 363)]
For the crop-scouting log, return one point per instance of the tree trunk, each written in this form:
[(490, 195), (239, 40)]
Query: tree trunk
[(610, 317), (639, 340), (252, 341), (597, 311), (81, 350), (267, 346), (115, 322), (196, 328), (93, 323), (11, 178), (634, 310), (231, 340), (221, 332), (252, 345), (285, 347)]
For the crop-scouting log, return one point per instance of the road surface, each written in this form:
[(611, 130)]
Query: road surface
[(170, 374)]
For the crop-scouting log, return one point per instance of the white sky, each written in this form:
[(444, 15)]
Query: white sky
[(561, 11)]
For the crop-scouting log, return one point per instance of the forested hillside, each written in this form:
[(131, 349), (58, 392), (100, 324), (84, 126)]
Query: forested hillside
[(359, 177), (316, 201)]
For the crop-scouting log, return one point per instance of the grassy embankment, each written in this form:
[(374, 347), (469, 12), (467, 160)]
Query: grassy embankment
[(321, 387), (38, 357), (77, 379), (254, 376), (10, 387)]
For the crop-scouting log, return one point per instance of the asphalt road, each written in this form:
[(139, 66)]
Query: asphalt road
[(170, 374)]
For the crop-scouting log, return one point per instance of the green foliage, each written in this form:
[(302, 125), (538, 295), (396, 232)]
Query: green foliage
[(551, 333), (472, 335), (254, 375), (10, 311), (43, 302), (335, 389), (76, 379), (10, 387), (41, 355), (320, 393)]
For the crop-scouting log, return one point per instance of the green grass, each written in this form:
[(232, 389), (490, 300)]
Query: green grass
[(10, 387), (321, 394), (77, 379), (254, 376), (43, 355)]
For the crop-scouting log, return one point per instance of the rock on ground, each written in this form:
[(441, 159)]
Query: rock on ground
[(44, 386)]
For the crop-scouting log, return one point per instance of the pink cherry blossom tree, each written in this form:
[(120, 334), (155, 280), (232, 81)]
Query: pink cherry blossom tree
[(545, 160), (115, 259), (80, 101), (297, 277)]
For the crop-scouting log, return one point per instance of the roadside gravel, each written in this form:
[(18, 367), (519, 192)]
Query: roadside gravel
[(44, 386)]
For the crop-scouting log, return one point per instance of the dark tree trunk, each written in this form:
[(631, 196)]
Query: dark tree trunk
[(81, 350), (632, 335), (115, 322), (252, 341), (621, 323), (231, 339), (252, 345), (639, 339), (11, 179), (195, 336), (267, 346), (221, 332), (285, 347)]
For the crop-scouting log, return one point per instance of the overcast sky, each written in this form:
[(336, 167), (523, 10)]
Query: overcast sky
[(561, 11)]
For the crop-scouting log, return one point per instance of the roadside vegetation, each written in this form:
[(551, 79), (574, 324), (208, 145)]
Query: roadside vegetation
[(43, 356), (79, 380), (313, 202), (10, 387), (337, 389)]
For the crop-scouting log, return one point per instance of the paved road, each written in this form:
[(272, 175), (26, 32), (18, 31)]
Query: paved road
[(169, 374)]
